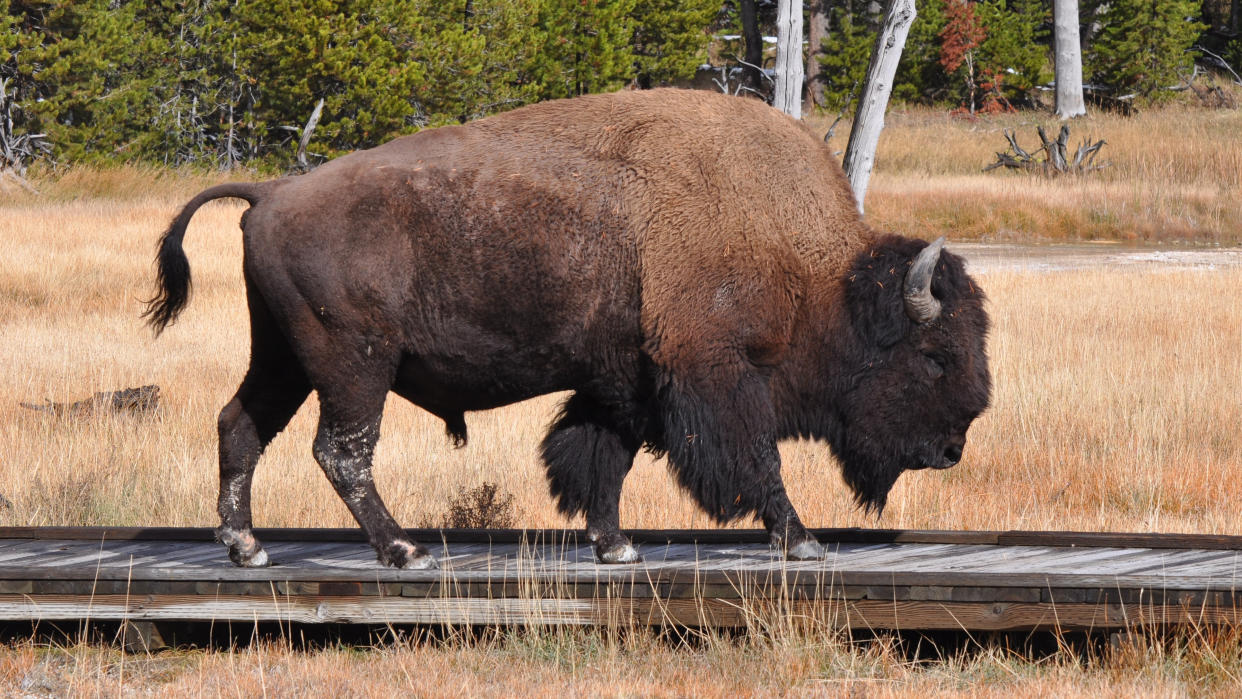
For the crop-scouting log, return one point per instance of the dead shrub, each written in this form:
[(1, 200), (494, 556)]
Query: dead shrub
[(484, 506)]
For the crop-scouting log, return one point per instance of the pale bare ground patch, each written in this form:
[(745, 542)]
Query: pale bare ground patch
[(1116, 406)]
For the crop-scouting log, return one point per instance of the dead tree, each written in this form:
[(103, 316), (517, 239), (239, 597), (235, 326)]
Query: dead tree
[(300, 162), (753, 63), (1055, 158), (137, 401), (869, 118), (1067, 62), (816, 32), (788, 95), (17, 150)]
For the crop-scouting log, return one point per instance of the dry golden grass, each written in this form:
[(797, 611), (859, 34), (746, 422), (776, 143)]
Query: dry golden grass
[(1116, 406), (592, 663), (1176, 175)]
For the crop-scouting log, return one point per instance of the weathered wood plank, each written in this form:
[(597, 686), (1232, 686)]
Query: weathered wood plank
[(1099, 561), (984, 559), (757, 576), (1175, 562), (998, 616), (1120, 540), (641, 536), (946, 577), (1226, 567), (972, 558)]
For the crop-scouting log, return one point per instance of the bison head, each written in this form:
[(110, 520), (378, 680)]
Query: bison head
[(917, 371)]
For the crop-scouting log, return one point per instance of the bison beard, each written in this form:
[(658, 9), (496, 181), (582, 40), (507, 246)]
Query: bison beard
[(620, 247)]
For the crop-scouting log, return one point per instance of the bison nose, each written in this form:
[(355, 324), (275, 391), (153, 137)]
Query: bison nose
[(952, 455)]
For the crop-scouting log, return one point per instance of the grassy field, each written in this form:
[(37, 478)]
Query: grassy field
[(1116, 407), (1175, 175)]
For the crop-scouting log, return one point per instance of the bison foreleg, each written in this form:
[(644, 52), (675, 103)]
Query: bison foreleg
[(588, 454), (788, 534), (721, 445)]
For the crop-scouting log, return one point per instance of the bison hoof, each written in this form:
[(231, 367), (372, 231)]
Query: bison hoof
[(258, 559), (244, 549), (808, 550), (620, 553), (427, 562), (407, 556)]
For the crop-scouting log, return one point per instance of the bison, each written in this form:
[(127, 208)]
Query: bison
[(690, 266)]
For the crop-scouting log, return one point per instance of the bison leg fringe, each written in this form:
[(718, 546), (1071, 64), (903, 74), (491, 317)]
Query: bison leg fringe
[(722, 448), (587, 459)]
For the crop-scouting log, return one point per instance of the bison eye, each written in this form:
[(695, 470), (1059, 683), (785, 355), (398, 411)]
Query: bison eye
[(935, 364)]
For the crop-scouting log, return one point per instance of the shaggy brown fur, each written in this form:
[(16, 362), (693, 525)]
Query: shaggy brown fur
[(691, 265)]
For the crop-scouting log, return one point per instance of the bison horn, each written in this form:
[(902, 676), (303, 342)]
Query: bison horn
[(921, 306)]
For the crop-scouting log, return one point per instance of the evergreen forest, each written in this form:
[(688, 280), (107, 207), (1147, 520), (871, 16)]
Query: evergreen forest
[(227, 83)]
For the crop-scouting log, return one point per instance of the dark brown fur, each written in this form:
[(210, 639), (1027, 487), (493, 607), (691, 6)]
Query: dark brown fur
[(690, 265)]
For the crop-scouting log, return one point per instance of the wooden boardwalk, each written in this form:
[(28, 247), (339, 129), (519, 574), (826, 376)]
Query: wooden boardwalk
[(875, 579)]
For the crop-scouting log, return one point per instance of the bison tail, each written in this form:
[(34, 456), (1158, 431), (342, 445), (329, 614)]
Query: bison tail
[(172, 267)]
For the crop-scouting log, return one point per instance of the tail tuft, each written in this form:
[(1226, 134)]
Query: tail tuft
[(172, 268), (172, 281)]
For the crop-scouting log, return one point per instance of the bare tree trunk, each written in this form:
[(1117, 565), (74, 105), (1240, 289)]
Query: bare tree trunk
[(303, 165), (752, 67), (869, 117), (816, 32), (788, 97), (1068, 59)]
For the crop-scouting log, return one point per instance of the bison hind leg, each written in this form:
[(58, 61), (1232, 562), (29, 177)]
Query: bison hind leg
[(588, 453), (274, 388)]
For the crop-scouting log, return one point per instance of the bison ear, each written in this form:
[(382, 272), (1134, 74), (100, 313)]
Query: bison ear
[(876, 290)]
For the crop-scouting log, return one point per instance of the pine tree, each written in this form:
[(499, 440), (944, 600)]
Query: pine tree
[(507, 78), (1013, 58), (477, 58), (197, 111), (670, 38), (82, 73), (920, 76), (847, 51), (1233, 53), (584, 46), (224, 82), (1142, 46)]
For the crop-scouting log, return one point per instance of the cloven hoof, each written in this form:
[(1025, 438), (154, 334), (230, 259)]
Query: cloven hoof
[(808, 550), (626, 553), (255, 560), (427, 562)]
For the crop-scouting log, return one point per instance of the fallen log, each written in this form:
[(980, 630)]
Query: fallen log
[(143, 399)]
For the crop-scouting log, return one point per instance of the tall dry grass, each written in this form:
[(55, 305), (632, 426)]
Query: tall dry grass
[(598, 662), (1175, 175)]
